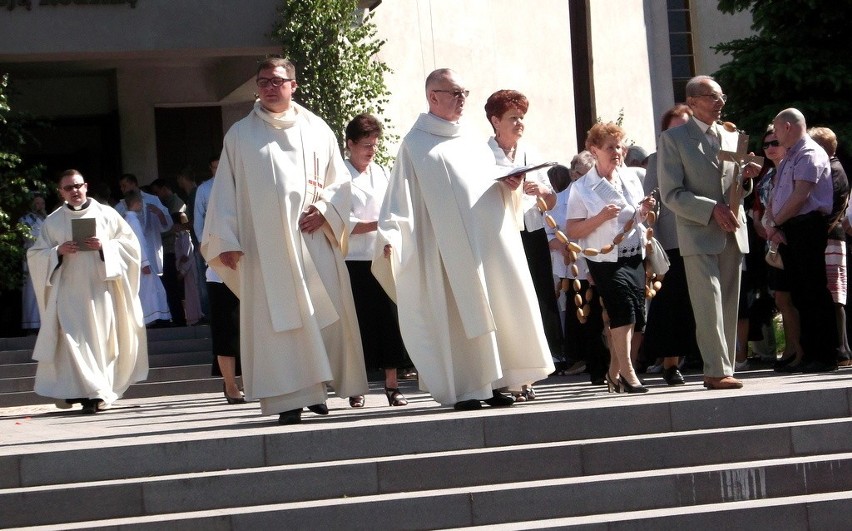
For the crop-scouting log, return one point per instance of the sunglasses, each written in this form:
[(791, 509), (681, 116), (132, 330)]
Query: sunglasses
[(76, 186), (771, 143)]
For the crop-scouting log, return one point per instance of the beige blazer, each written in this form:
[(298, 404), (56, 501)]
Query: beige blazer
[(692, 181)]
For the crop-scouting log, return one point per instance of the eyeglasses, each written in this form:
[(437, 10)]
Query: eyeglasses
[(771, 143), (75, 186), (716, 97), (367, 145), (264, 82), (455, 93)]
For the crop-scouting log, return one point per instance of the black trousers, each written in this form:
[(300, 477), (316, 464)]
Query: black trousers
[(537, 252), (804, 261), (585, 341), (174, 289)]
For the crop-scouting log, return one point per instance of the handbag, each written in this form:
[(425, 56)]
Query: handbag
[(773, 258), (656, 258)]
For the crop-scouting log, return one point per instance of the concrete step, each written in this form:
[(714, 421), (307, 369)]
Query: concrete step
[(164, 379), (765, 469), (16, 350), (17, 370), (575, 453), (25, 382), (813, 511)]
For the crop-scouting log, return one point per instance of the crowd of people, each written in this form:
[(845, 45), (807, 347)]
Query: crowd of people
[(469, 260)]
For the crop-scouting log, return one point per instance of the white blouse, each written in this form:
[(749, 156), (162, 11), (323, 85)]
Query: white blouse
[(591, 193), (368, 192), (533, 217)]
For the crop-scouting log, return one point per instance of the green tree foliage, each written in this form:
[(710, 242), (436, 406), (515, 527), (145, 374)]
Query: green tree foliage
[(799, 57), (335, 56), (17, 184)]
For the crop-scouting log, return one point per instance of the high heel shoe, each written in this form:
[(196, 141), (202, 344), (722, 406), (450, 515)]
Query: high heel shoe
[(395, 398), (627, 388), (613, 386), (232, 401)]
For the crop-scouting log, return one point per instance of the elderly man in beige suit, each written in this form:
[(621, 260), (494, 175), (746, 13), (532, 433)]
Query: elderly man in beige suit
[(694, 185)]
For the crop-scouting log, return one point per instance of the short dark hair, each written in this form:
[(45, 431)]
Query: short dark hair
[(68, 173), (363, 126), (129, 177), (669, 115), (159, 183), (275, 62), (133, 196), (503, 100)]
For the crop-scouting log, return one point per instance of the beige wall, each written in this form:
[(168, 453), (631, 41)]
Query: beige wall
[(621, 70), (201, 52), (493, 45)]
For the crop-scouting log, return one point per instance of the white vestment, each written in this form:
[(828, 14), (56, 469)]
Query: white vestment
[(298, 325), (152, 294), (467, 308), (153, 228), (92, 342), (30, 318), (187, 270)]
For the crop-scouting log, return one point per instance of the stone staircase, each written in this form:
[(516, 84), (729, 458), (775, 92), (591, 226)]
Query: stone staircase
[(180, 361), (774, 455)]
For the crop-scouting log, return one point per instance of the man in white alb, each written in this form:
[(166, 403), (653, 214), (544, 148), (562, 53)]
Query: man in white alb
[(275, 231), (449, 253)]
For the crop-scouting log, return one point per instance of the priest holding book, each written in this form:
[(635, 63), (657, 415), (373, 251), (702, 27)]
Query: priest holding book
[(85, 267)]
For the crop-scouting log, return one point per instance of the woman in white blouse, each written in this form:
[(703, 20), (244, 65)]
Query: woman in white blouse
[(377, 314), (505, 110), (601, 204)]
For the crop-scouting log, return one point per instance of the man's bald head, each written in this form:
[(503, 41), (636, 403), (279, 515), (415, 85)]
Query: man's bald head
[(437, 76), (794, 116), (790, 127), (446, 94)]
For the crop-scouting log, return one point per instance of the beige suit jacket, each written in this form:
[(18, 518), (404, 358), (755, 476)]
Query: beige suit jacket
[(692, 181)]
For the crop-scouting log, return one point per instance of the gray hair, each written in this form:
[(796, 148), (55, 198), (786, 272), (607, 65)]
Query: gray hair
[(693, 86), (581, 164)]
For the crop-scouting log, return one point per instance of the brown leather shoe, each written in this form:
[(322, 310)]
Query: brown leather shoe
[(726, 382)]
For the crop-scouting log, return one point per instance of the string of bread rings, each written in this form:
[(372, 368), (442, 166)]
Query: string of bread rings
[(653, 283)]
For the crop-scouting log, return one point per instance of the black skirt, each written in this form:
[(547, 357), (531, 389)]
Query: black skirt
[(377, 320), (621, 285), (224, 324)]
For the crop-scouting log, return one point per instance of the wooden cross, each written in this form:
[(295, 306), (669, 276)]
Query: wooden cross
[(740, 158)]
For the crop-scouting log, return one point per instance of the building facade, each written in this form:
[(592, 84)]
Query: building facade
[(149, 86)]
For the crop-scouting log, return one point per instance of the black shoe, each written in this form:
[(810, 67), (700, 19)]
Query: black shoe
[(499, 400), (783, 362), (613, 386), (467, 405), (319, 409), (627, 388), (819, 366), (294, 416), (672, 376), (90, 407), (791, 368), (231, 400)]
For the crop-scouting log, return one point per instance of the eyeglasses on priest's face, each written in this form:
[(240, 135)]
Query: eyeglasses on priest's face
[(716, 97), (276, 82), (454, 93), (771, 143), (75, 186)]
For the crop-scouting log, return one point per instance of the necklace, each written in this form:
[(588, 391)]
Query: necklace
[(653, 282)]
